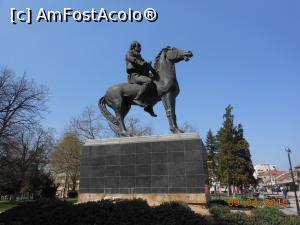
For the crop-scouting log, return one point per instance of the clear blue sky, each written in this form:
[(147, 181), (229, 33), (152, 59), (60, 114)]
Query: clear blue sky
[(246, 53)]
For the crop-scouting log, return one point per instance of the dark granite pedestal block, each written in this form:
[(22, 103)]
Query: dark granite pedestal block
[(157, 168)]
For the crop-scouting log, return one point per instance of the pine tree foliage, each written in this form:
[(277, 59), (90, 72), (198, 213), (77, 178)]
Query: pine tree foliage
[(244, 163), (211, 148), (234, 159)]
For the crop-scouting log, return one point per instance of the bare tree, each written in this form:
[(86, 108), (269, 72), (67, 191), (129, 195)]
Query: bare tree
[(27, 153), (188, 128), (88, 125), (66, 158), (21, 104), (134, 127)]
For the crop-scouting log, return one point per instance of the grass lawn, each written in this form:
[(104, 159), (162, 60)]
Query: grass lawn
[(5, 205)]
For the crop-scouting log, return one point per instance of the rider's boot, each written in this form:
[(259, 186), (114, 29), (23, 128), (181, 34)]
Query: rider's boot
[(149, 109)]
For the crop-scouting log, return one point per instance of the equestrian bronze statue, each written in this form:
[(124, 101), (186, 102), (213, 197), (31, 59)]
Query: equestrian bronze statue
[(162, 86)]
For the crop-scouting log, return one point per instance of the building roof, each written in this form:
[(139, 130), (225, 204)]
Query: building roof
[(284, 177), (265, 164), (298, 166), (271, 172)]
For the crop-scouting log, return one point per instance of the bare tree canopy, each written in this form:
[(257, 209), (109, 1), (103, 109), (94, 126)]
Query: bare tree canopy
[(21, 104), (188, 128), (23, 157), (134, 127), (88, 125), (24, 145)]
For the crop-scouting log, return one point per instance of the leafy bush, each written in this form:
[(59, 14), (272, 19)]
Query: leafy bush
[(293, 220), (261, 216), (48, 187), (135, 212), (236, 218), (219, 202), (72, 194), (218, 211), (273, 216), (176, 213), (223, 216)]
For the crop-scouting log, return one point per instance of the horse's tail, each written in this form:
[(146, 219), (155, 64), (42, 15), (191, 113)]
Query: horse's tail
[(102, 106)]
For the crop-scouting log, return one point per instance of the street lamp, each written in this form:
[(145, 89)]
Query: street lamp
[(294, 185)]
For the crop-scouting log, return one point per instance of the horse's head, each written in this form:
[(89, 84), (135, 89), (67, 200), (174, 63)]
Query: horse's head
[(171, 56), (176, 55)]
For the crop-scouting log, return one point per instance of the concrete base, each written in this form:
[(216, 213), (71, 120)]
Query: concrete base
[(152, 199), (154, 168)]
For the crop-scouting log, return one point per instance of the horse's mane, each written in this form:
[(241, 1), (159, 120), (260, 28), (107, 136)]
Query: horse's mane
[(158, 57)]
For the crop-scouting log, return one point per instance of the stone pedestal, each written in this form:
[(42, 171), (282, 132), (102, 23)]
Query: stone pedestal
[(155, 168)]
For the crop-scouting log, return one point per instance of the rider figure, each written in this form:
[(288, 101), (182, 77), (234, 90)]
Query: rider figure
[(138, 73)]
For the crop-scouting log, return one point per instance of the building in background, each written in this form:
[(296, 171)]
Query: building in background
[(297, 175), (284, 180), (264, 167), (271, 178)]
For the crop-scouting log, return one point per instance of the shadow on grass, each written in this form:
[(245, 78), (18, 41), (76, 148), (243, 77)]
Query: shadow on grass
[(6, 205)]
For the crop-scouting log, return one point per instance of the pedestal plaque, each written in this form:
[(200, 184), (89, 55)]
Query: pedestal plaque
[(155, 168)]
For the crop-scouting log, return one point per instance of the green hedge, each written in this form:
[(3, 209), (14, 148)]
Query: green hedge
[(136, 212), (261, 216), (223, 216)]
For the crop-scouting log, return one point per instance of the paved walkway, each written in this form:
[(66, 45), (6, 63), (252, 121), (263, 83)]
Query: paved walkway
[(291, 210)]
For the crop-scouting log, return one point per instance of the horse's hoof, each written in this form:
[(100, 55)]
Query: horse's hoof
[(124, 134), (177, 131)]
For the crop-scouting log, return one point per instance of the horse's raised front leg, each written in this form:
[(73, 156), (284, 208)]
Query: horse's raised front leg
[(169, 102)]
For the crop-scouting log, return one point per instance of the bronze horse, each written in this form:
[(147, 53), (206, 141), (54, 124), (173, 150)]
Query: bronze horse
[(120, 97)]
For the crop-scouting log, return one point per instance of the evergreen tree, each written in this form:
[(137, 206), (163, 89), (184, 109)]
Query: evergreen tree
[(226, 149), (211, 148), (244, 164), (234, 158)]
